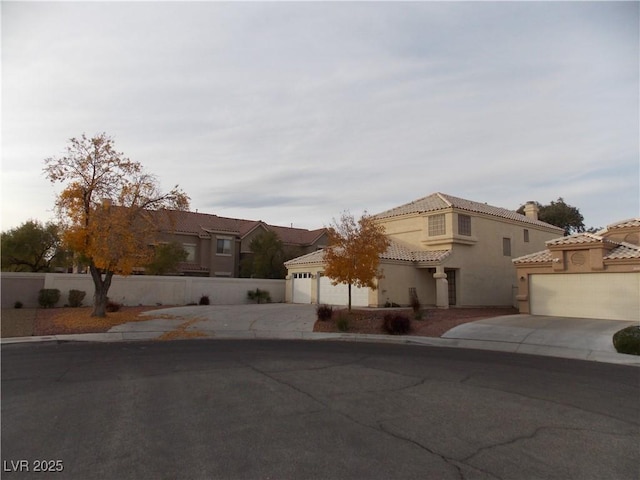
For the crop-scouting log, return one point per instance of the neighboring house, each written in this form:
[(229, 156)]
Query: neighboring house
[(216, 245), (584, 275), (449, 250)]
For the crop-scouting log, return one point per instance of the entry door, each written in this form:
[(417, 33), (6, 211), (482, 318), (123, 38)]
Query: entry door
[(451, 279)]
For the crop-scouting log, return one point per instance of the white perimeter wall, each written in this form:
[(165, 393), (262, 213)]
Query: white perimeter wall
[(138, 289)]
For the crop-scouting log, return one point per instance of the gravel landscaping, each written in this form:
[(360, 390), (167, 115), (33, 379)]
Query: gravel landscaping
[(434, 322)]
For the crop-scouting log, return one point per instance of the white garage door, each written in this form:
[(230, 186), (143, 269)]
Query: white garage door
[(301, 287), (339, 294), (614, 296)]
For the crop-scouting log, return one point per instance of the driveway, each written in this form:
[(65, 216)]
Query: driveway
[(532, 332), (265, 320)]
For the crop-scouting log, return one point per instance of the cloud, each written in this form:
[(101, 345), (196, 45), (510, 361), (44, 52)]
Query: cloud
[(297, 111)]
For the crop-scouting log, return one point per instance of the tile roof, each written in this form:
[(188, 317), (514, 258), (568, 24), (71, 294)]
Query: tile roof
[(399, 251), (538, 257), (396, 251), (624, 251), (196, 223), (309, 258), (579, 239), (442, 201), (631, 222), (621, 250)]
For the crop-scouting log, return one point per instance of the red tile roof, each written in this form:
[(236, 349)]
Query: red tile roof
[(196, 223)]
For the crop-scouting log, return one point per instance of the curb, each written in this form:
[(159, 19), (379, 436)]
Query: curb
[(511, 347)]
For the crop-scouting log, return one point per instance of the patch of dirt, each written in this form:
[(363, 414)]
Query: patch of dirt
[(17, 322), (181, 332), (60, 321), (434, 322)]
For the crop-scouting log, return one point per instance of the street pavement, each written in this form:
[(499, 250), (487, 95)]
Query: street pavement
[(274, 409), (584, 339)]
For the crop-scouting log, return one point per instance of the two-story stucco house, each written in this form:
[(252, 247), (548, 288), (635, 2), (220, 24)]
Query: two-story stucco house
[(216, 245), (449, 250)]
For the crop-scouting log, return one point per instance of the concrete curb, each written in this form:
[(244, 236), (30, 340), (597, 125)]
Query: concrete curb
[(512, 347)]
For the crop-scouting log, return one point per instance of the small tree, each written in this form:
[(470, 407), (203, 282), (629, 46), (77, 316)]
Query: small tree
[(354, 250), (166, 258), (31, 247), (104, 207), (267, 259)]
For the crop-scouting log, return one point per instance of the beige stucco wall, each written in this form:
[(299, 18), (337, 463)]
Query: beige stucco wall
[(399, 278), (21, 287), (143, 289), (486, 276)]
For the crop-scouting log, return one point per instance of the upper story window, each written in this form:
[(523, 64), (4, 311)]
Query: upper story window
[(436, 225), (223, 246), (526, 235), (190, 248), (506, 247), (464, 225)]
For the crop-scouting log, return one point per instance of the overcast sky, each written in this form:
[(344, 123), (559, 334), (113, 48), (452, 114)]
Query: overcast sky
[(293, 112)]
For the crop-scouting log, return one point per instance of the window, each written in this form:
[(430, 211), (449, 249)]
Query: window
[(506, 247), (224, 246), (464, 224), (190, 248), (526, 235), (436, 225)]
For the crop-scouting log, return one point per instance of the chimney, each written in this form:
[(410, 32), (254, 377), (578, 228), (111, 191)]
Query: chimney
[(531, 210)]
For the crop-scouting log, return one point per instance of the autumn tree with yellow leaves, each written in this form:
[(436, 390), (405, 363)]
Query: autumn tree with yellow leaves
[(106, 208), (354, 250)]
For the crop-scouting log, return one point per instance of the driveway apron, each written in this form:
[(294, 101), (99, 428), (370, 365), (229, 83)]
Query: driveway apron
[(263, 320), (538, 330)]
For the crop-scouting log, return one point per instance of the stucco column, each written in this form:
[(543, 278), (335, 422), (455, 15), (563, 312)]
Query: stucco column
[(442, 288)]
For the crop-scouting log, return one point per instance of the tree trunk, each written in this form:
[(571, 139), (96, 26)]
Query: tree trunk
[(349, 297), (101, 288)]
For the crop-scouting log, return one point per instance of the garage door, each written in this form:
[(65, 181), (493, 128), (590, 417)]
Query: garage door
[(339, 294), (614, 296), (302, 287)]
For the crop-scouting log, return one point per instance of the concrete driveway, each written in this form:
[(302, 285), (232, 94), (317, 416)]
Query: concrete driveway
[(535, 332), (218, 321)]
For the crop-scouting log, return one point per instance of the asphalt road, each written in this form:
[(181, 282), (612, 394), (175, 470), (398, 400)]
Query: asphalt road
[(295, 409)]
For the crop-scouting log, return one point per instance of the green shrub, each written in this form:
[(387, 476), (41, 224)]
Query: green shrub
[(396, 324), (259, 296), (48, 297), (324, 312), (204, 300), (343, 323), (18, 304), (627, 340), (76, 297)]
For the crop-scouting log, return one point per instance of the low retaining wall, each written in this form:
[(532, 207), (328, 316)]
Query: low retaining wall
[(138, 289)]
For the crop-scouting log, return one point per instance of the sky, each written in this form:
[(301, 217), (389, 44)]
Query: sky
[(293, 112)]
